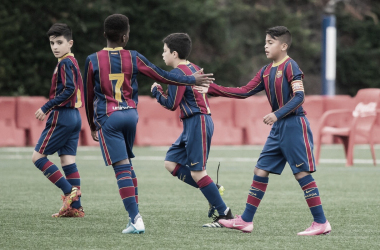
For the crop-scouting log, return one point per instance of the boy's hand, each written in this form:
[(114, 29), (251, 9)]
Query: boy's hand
[(154, 85), (269, 119), (40, 115), (94, 136), (202, 79), (202, 89)]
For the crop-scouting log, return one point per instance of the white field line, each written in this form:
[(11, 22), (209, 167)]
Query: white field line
[(210, 159), (165, 148)]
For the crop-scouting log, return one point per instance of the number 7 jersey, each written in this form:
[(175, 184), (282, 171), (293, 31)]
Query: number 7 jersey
[(110, 82)]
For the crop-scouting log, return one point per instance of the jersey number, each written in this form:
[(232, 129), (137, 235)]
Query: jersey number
[(117, 90)]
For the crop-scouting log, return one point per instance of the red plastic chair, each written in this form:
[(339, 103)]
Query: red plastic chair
[(360, 123)]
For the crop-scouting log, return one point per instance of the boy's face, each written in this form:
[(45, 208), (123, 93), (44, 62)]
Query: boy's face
[(274, 48), (60, 46), (167, 56)]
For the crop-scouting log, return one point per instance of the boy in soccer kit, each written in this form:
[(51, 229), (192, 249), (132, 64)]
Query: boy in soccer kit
[(111, 99), (290, 139), (62, 129), (186, 158)]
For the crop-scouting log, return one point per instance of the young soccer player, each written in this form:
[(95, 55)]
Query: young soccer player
[(290, 139), (111, 101), (186, 158), (62, 129)]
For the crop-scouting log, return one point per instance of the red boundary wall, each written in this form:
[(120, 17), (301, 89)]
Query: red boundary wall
[(236, 122)]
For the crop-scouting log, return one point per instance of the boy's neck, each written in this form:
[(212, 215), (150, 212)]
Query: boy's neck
[(178, 62), (113, 45), (280, 58)]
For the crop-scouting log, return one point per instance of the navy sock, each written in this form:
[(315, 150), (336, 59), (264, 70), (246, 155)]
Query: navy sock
[(73, 177), (256, 194), (211, 192), (52, 172), (134, 180), (183, 173), (126, 189), (313, 200)]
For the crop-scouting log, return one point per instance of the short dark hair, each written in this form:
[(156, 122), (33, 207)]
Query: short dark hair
[(60, 29), (281, 33), (115, 26), (180, 42)]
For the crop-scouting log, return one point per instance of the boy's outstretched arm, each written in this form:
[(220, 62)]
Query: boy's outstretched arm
[(149, 69), (254, 86), (171, 100)]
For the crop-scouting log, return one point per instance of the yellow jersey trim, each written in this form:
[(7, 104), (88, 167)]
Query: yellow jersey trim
[(66, 55), (183, 63), (113, 49), (280, 62)]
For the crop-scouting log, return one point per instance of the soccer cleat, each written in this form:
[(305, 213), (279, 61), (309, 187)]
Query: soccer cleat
[(237, 223), (71, 212), (137, 228), (216, 223), (317, 229), (68, 199)]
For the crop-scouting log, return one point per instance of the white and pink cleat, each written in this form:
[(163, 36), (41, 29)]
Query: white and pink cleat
[(237, 223), (317, 228)]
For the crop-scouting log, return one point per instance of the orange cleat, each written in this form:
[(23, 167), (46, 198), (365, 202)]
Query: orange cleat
[(72, 212), (68, 199)]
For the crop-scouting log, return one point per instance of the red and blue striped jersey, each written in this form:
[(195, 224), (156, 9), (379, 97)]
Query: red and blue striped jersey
[(190, 101), (66, 85), (282, 83), (110, 82)]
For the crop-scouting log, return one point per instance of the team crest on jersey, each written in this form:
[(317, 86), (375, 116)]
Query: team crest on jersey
[(279, 74), (56, 69)]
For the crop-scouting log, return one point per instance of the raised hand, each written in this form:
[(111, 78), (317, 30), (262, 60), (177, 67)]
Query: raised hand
[(202, 89), (203, 79), (154, 85)]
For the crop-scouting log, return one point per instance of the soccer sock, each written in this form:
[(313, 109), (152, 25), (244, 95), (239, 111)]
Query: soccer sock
[(73, 177), (256, 194), (126, 189), (313, 200), (211, 192), (134, 180), (52, 172), (183, 173)]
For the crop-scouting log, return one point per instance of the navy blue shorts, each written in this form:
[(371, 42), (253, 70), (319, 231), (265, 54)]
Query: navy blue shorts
[(290, 140), (117, 135), (61, 133), (193, 145)]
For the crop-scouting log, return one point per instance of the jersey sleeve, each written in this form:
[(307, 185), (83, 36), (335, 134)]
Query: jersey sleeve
[(294, 75), (67, 75), (149, 69), (89, 92), (173, 98), (254, 86)]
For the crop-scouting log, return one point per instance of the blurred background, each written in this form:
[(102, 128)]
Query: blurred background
[(228, 38)]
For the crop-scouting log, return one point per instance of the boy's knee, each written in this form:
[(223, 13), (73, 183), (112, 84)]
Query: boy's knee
[(36, 156), (197, 175), (259, 172), (300, 175), (170, 166)]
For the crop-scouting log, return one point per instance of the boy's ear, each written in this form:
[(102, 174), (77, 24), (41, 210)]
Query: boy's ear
[(104, 34), (284, 47), (71, 42)]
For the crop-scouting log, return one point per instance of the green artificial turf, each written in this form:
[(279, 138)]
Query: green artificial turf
[(174, 212)]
